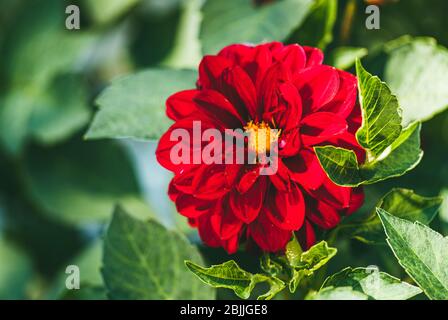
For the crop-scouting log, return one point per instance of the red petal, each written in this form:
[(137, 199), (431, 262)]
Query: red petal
[(292, 56), (268, 89), (224, 222), (216, 106), (239, 54), (262, 60), (210, 182), (291, 105), (306, 170), (356, 200), (287, 209), (336, 196), (250, 174), (207, 233), (181, 105), (231, 245), (173, 193), (281, 178), (183, 181), (306, 235), (321, 126), (247, 206), (210, 69), (317, 86), (314, 56), (238, 87), (322, 214), (191, 207), (268, 237), (344, 101)]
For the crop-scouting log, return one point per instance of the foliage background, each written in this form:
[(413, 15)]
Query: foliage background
[(58, 190)]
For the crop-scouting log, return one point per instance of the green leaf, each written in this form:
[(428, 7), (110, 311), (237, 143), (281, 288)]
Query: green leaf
[(402, 203), (60, 111), (421, 251), (79, 183), (134, 106), (227, 22), (230, 276), (391, 150), (373, 283), (339, 293), (36, 50), (310, 261), (417, 71), (402, 156), (345, 57), (143, 260), (317, 30), (15, 271), (381, 119)]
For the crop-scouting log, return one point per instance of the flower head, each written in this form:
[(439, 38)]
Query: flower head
[(278, 95)]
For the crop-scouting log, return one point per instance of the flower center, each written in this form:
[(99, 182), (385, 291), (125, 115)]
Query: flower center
[(261, 136)]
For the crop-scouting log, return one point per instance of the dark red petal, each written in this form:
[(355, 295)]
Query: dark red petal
[(306, 235), (249, 175), (247, 206), (224, 222), (191, 207), (239, 54), (183, 181), (322, 214), (317, 86), (290, 104), (210, 70), (206, 232), (356, 200), (306, 170), (354, 120), (292, 56), (321, 126), (256, 69), (210, 182), (336, 196), (269, 86), (314, 56), (290, 143), (173, 193), (231, 245), (268, 236), (181, 105), (238, 87), (344, 101), (287, 209), (281, 180), (218, 107)]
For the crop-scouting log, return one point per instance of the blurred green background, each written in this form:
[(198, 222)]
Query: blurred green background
[(58, 190)]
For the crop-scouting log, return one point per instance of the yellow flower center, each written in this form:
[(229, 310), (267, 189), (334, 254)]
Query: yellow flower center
[(260, 137)]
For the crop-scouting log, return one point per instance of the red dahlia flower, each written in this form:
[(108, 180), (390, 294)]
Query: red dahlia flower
[(269, 86)]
